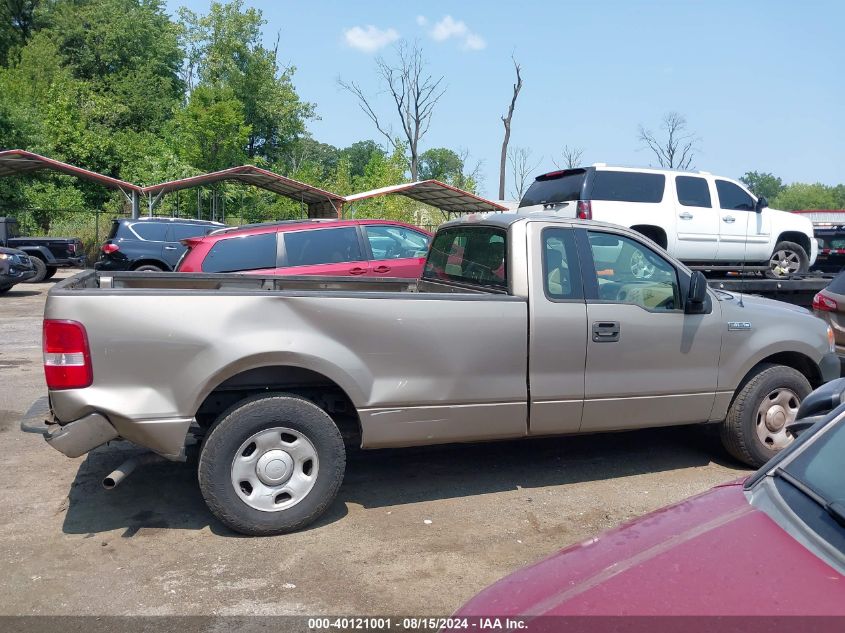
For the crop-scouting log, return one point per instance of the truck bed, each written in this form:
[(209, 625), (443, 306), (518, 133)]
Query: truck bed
[(236, 283)]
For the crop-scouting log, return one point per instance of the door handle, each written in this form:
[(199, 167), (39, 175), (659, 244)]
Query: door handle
[(170, 248), (729, 219), (606, 331), (381, 269), (685, 215), (357, 271)]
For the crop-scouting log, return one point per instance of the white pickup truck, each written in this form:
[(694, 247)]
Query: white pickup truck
[(697, 217)]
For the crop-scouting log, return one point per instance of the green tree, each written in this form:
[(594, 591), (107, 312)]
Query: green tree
[(763, 184), (440, 163), (224, 47), (801, 195), (359, 154)]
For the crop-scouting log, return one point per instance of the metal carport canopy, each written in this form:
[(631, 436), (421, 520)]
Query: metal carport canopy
[(321, 204), (435, 193), (19, 161)]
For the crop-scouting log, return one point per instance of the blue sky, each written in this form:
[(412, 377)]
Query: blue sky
[(761, 83)]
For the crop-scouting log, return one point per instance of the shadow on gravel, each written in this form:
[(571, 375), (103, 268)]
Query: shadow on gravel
[(166, 495), (14, 292)]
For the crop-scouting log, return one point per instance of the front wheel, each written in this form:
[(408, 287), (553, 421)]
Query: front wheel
[(272, 464), (40, 270), (788, 259), (756, 427)]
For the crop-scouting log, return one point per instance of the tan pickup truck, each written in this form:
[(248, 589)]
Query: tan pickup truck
[(520, 326)]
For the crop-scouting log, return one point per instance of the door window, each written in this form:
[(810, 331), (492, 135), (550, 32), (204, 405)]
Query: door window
[(561, 275), (184, 231), (693, 191), (395, 242), (629, 272), (733, 197), (245, 252), (322, 246)]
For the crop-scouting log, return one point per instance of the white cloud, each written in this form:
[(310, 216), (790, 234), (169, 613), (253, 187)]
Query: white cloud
[(369, 38), (422, 20), (474, 42), (449, 28)]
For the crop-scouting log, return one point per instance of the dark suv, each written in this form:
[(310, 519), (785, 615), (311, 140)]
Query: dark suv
[(46, 253), (151, 244)]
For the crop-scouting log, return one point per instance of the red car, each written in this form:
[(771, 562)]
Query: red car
[(773, 545), (370, 248)]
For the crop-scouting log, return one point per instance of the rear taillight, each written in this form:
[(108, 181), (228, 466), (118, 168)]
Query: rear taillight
[(71, 248), (108, 249), (585, 210), (67, 358), (823, 303)]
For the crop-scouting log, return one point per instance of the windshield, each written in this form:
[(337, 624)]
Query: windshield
[(563, 186)]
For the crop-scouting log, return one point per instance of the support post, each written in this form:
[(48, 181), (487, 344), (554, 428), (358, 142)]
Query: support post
[(136, 205)]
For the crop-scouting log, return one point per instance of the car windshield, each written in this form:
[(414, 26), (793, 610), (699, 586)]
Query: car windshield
[(819, 466)]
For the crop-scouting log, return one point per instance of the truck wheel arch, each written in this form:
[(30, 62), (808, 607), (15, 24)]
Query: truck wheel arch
[(41, 252), (307, 383), (796, 360), (797, 237)]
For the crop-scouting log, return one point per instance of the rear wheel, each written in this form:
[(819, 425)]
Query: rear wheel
[(51, 270), (271, 464), (148, 268), (4, 289), (755, 429), (40, 270), (787, 259)]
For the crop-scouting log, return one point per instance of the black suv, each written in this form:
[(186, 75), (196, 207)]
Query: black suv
[(46, 253), (151, 244)]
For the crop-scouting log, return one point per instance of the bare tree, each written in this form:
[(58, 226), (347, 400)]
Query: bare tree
[(506, 120), (522, 166), (415, 94), (570, 157), (678, 148)]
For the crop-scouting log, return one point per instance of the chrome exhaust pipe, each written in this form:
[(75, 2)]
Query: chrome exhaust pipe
[(113, 479)]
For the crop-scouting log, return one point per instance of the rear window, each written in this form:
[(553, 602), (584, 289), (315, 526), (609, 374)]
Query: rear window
[(560, 187), (323, 246), (473, 255), (838, 284), (628, 186), (150, 231), (246, 252)]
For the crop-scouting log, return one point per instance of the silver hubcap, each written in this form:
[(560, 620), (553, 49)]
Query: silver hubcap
[(640, 267), (275, 469), (785, 263), (775, 413)]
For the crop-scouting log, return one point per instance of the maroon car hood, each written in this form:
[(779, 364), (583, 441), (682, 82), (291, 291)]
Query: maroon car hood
[(709, 555)]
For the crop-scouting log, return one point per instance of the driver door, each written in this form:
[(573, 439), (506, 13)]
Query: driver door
[(648, 363), (396, 251)]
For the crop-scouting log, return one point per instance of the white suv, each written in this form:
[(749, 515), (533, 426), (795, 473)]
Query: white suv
[(699, 218)]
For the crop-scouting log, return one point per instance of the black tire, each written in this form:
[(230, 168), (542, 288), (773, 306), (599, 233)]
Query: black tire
[(40, 270), (5, 289), (795, 255), (739, 430), (236, 426), (148, 268), (51, 270)]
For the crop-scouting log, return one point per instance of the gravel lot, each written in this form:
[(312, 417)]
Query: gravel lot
[(412, 532)]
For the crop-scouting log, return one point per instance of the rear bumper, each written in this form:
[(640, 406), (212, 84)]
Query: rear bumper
[(830, 366), (111, 264), (73, 439)]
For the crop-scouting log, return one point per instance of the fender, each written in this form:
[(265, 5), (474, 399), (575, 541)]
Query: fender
[(42, 252)]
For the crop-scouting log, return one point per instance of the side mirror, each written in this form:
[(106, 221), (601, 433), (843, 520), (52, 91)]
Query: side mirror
[(762, 203), (697, 295)]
